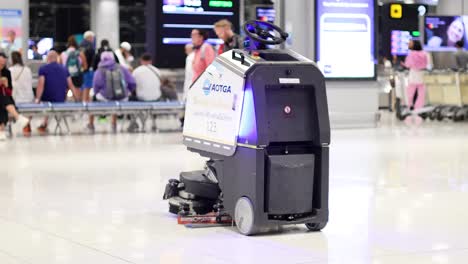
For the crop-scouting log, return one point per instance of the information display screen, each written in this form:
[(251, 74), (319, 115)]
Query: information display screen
[(44, 45), (442, 32), (400, 40), (265, 13), (10, 21), (345, 40), (179, 17)]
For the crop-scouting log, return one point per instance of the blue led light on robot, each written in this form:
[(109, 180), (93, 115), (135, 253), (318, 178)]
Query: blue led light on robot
[(248, 124)]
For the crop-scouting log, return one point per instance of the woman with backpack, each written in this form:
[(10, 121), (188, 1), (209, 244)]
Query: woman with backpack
[(112, 82), (74, 61)]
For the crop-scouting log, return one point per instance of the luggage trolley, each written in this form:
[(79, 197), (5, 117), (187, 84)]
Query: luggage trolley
[(261, 117), (452, 102), (402, 103), (462, 113)]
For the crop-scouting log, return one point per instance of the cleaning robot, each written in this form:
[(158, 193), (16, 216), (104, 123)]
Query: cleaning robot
[(260, 116)]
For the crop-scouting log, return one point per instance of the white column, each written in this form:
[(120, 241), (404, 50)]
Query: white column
[(299, 23), (105, 21), (298, 19), (25, 7), (451, 7)]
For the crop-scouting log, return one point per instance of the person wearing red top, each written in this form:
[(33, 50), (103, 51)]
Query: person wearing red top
[(204, 53)]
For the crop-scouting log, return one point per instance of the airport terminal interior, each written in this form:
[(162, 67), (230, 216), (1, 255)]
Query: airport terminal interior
[(233, 131)]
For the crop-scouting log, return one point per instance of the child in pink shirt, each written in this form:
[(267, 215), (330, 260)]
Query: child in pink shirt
[(417, 61)]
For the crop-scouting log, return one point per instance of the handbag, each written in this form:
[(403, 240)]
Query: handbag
[(4, 90), (168, 91), (19, 75)]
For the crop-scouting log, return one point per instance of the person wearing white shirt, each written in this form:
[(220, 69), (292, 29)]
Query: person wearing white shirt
[(124, 55), (22, 80), (148, 80), (188, 68)]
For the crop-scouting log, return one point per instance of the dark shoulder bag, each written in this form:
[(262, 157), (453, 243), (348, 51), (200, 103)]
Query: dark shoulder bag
[(168, 90)]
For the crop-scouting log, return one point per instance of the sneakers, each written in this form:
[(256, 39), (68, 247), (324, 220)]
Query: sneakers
[(27, 131), (20, 124), (3, 136), (42, 130)]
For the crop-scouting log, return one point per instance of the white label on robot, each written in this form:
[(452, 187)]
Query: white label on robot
[(290, 80), (214, 106)]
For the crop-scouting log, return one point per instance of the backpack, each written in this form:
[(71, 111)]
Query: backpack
[(73, 63), (115, 84)]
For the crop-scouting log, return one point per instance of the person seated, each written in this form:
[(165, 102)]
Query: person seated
[(461, 56), (53, 84), (148, 80), (112, 82), (7, 104), (22, 81), (148, 85)]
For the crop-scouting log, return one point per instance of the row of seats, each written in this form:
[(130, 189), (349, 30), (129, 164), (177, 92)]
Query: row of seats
[(162, 107), (136, 110)]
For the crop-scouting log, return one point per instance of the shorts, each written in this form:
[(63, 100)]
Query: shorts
[(87, 80), (99, 98), (77, 81)]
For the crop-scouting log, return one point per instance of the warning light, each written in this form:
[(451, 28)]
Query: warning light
[(396, 11)]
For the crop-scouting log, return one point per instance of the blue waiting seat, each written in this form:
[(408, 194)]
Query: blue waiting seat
[(136, 105), (171, 105), (134, 109), (32, 108), (68, 107), (103, 106)]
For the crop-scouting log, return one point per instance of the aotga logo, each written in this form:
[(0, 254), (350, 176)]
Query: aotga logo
[(209, 87), (206, 87)]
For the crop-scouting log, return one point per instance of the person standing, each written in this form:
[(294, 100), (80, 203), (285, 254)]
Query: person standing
[(188, 68), (105, 46), (124, 56), (22, 81), (12, 44), (88, 48), (224, 31), (204, 53), (7, 103), (35, 53), (74, 61), (416, 61)]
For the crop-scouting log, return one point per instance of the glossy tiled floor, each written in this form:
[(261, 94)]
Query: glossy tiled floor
[(398, 195)]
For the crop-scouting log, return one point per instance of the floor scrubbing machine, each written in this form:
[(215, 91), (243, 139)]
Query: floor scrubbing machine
[(260, 116)]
